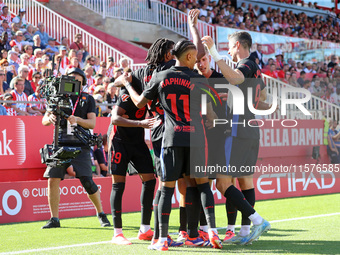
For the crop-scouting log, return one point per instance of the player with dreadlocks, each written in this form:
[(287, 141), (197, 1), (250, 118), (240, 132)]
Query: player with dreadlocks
[(158, 58)]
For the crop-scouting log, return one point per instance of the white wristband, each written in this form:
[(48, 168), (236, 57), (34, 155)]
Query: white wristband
[(213, 52)]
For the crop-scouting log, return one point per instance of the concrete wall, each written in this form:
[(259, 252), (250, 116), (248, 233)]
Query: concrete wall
[(137, 31)]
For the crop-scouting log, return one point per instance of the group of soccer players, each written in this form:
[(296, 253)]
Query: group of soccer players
[(169, 90)]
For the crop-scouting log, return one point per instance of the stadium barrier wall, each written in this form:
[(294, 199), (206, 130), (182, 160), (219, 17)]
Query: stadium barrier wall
[(285, 169)]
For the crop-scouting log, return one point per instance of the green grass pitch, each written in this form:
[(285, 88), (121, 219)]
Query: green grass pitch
[(305, 225)]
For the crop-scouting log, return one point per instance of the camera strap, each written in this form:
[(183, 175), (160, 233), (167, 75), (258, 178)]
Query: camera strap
[(75, 105)]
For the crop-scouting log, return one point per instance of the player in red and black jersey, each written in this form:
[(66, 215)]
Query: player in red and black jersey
[(128, 147), (183, 140), (242, 143)]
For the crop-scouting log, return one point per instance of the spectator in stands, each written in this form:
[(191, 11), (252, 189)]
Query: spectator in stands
[(80, 59), (64, 59), (279, 59), (14, 29), (9, 70), (64, 42), (23, 74), (2, 4), (96, 65), (4, 87), (102, 69), (316, 89), (123, 63), (45, 61), (258, 55), (42, 34), (101, 91), (6, 15), (51, 48), (89, 79), (333, 142), (38, 53), (308, 68), (333, 62), (77, 44), (12, 59), (37, 43), (5, 28), (106, 82), (19, 41), (36, 97), (29, 34), (24, 58), (117, 72), (28, 49), (90, 60), (11, 108), (19, 95), (2, 110), (73, 63), (112, 94), (301, 79), (36, 77), (328, 96), (20, 19), (99, 99), (98, 80), (282, 73), (4, 42), (272, 71), (110, 67)]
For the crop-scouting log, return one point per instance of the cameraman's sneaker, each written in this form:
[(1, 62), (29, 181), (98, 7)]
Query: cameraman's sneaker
[(52, 223), (256, 232), (104, 222), (228, 235)]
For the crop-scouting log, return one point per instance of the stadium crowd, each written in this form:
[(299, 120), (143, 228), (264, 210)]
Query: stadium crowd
[(272, 21)]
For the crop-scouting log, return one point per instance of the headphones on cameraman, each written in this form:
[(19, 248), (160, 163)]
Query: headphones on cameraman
[(78, 71)]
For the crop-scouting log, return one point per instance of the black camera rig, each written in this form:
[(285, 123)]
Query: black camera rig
[(58, 91)]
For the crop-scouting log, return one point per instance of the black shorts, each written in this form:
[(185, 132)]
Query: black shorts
[(241, 156), (176, 161), (138, 155), (81, 164)]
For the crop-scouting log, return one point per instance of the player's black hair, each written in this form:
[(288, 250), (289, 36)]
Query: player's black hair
[(243, 38), (157, 51), (181, 47)]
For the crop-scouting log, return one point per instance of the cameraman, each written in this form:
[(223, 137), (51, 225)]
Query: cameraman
[(82, 114)]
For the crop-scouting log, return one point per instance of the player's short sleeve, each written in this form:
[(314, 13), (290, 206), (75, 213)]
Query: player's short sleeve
[(124, 100), (247, 67), (151, 92)]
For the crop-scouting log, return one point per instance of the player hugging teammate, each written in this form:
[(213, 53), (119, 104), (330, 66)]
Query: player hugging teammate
[(171, 91)]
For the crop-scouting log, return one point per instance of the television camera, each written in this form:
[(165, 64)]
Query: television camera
[(57, 91)]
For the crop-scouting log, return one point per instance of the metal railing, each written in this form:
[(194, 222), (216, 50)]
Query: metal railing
[(318, 107), (155, 13), (57, 27)]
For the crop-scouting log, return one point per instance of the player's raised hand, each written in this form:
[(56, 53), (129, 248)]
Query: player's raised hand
[(208, 41), (149, 123), (193, 17)]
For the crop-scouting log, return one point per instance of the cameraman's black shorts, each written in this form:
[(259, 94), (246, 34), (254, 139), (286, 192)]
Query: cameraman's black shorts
[(138, 155), (241, 154), (176, 161), (81, 165)]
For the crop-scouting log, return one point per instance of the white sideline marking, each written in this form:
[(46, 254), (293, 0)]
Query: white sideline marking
[(134, 238)]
